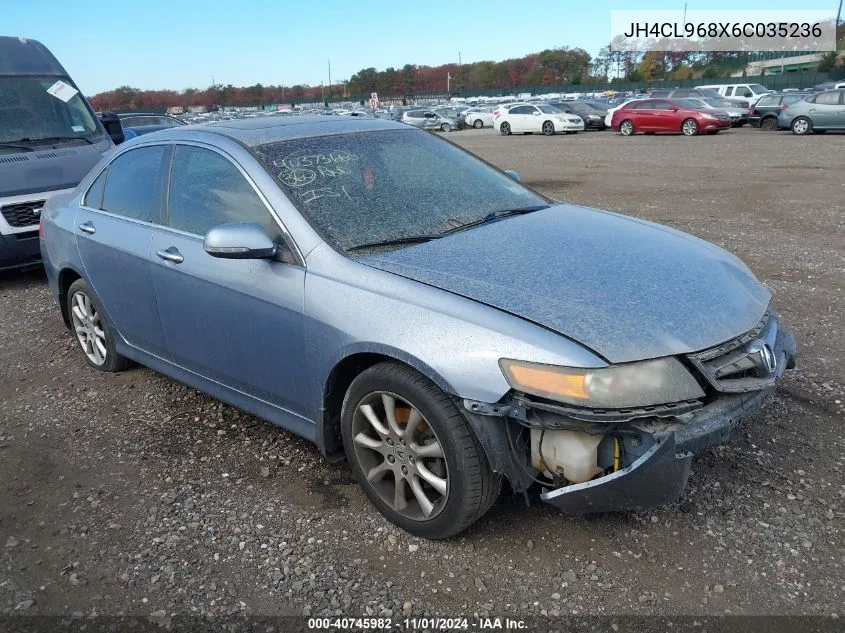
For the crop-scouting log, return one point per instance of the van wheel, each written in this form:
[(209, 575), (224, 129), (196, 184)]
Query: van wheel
[(92, 329), (505, 129), (802, 125), (414, 454)]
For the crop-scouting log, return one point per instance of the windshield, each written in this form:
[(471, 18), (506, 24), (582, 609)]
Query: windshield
[(29, 110), (757, 88), (379, 186), (547, 109)]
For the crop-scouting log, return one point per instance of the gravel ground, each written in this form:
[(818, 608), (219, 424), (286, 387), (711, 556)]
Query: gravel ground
[(132, 494)]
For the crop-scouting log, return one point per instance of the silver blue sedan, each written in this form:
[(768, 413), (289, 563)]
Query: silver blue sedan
[(444, 334)]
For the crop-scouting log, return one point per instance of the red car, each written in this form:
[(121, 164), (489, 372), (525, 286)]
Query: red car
[(668, 115)]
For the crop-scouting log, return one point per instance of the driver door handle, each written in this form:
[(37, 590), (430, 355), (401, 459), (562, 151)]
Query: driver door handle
[(171, 254), (87, 227)]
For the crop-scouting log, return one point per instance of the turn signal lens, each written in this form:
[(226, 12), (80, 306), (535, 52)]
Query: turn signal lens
[(551, 380)]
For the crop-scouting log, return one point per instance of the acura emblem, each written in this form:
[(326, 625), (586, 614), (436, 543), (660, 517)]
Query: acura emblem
[(763, 356)]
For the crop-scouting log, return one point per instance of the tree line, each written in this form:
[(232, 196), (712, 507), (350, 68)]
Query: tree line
[(552, 67)]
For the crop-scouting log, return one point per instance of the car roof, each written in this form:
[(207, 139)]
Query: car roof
[(22, 56), (261, 130)]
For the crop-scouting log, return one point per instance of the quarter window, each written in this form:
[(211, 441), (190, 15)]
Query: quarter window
[(206, 190), (94, 197), (132, 187)]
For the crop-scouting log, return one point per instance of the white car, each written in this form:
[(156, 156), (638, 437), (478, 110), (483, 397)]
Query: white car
[(531, 119), (479, 118)]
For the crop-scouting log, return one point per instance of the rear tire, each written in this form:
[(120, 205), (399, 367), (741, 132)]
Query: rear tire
[(801, 126), (769, 123), (92, 329), (505, 129), (626, 128), (375, 420)]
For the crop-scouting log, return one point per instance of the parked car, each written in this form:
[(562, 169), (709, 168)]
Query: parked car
[(817, 113), (739, 116), (764, 113), (429, 120), (49, 139), (668, 115), (608, 117), (454, 328), (592, 116), (136, 124), (537, 119), (479, 118), (748, 94)]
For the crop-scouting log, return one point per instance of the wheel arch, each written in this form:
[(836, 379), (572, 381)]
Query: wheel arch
[(337, 383), (66, 277)]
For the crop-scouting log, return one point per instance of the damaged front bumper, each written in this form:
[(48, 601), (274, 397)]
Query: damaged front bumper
[(657, 445), (656, 478)]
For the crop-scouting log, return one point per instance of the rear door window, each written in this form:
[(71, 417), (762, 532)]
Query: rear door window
[(94, 196), (828, 98), (133, 184)]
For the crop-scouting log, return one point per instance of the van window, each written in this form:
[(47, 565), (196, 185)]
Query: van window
[(29, 114)]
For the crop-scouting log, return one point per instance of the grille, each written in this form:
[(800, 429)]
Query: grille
[(738, 365), (23, 213)]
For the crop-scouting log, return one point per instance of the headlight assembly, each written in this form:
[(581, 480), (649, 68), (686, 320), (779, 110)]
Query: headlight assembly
[(650, 382)]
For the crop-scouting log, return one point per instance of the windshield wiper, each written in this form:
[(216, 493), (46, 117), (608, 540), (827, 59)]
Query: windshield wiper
[(414, 239), (53, 139), (26, 148), (495, 215)]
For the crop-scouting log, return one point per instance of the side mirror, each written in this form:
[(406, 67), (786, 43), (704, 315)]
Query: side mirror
[(113, 127), (513, 174), (243, 240)]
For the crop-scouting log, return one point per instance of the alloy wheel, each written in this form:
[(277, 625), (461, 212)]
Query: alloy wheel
[(690, 127), (445, 127), (478, 124), (88, 328), (400, 455), (548, 128), (505, 129), (801, 126), (627, 128)]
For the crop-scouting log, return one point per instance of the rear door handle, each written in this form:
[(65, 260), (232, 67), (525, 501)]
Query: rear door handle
[(171, 254), (87, 227)]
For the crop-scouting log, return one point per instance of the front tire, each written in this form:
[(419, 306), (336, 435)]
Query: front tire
[(689, 127), (445, 127), (626, 128), (505, 129), (90, 325), (801, 126), (478, 124), (549, 128), (414, 454)]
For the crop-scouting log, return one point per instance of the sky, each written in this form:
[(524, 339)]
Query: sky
[(176, 44)]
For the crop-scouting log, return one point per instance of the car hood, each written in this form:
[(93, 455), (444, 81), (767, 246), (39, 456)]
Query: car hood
[(625, 288)]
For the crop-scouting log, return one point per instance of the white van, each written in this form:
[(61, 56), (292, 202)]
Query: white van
[(750, 93)]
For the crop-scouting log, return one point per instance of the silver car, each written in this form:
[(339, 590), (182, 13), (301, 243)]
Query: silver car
[(816, 113), (430, 120), (405, 305)]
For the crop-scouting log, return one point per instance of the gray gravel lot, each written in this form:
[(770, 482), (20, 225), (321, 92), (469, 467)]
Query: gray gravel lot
[(132, 494)]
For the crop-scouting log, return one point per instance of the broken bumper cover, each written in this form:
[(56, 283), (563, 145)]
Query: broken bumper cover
[(658, 477)]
